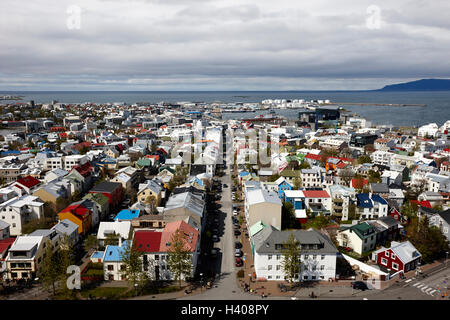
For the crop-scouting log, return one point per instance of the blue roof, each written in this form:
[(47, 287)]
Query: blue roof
[(127, 214), (114, 253), (5, 153), (244, 173), (98, 254), (377, 198), (364, 200)]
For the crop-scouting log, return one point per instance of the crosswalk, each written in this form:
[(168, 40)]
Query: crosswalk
[(426, 288)]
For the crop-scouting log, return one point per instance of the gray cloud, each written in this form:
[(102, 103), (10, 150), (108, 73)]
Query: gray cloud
[(220, 45)]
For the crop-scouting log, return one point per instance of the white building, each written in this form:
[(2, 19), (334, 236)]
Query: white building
[(430, 129), (20, 210), (318, 254)]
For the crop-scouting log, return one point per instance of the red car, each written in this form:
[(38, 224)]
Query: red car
[(239, 262)]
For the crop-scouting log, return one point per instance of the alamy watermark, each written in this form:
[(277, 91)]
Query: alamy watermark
[(373, 21)]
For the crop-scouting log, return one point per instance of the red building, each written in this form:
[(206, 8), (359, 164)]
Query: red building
[(401, 256), (112, 190)]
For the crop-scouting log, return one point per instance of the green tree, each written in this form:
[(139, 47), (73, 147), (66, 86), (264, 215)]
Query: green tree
[(90, 242), (297, 183), (132, 264), (428, 240), (287, 216), (179, 259), (304, 165), (291, 263), (374, 177), (364, 159), (50, 267), (66, 259), (112, 239)]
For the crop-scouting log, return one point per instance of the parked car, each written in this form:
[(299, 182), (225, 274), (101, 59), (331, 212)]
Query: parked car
[(215, 238), (359, 285), (237, 232), (225, 185), (235, 213), (239, 262), (214, 252), (237, 245), (234, 219), (238, 253), (215, 231)]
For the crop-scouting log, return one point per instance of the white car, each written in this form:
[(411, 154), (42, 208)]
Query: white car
[(235, 213)]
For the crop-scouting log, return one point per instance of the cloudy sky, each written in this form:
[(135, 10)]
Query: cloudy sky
[(221, 44)]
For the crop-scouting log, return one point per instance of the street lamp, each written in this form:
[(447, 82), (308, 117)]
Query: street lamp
[(135, 289), (201, 282)]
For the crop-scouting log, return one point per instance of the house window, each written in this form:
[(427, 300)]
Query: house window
[(156, 256), (383, 261), (387, 254), (322, 257), (305, 277), (393, 256), (269, 267), (278, 256), (269, 277), (278, 267), (277, 277), (395, 266), (269, 257), (110, 267), (123, 267), (322, 267)]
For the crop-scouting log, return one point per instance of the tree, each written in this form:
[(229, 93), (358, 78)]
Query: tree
[(112, 239), (287, 216), (50, 267), (364, 159), (304, 165), (90, 242), (428, 240), (297, 183), (346, 175), (274, 177), (151, 201), (291, 263), (374, 177), (179, 259), (132, 264), (66, 259)]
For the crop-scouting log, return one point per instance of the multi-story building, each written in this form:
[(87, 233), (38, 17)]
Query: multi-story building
[(317, 255), (20, 210)]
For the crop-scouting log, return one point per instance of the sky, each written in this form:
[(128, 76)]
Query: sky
[(221, 44)]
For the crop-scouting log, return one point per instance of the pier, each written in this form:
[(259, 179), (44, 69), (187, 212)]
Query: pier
[(377, 104)]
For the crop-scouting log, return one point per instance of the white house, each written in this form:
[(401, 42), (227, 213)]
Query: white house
[(318, 255), (20, 210), (359, 237)]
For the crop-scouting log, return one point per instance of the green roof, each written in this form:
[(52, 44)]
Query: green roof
[(363, 230), (144, 162), (290, 173), (257, 227), (100, 198)]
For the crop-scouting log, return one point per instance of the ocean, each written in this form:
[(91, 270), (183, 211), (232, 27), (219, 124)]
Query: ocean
[(437, 103)]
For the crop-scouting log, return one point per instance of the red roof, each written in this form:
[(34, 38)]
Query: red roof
[(359, 183), (156, 157), (28, 181), (147, 240), (425, 203), (313, 156), (191, 235), (316, 194), (5, 244), (85, 169)]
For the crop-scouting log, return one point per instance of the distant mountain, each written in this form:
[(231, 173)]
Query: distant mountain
[(420, 85)]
